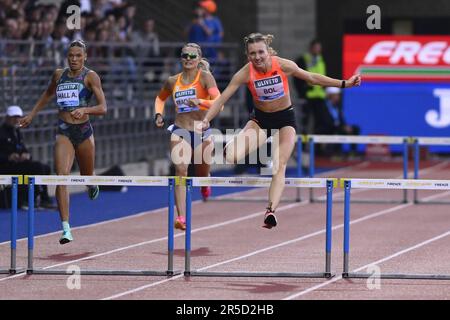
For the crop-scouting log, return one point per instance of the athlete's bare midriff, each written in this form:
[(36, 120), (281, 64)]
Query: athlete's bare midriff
[(67, 117), (186, 120), (274, 106)]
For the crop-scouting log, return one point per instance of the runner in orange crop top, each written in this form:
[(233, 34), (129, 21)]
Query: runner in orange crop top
[(183, 93), (193, 91), (270, 85), (266, 77)]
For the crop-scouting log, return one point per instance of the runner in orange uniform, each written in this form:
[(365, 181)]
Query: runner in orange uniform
[(193, 91), (266, 77)]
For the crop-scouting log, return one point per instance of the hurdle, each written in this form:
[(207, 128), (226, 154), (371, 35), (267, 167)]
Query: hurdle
[(426, 141), (259, 182), (350, 139), (168, 182), (349, 184), (299, 174), (14, 182)]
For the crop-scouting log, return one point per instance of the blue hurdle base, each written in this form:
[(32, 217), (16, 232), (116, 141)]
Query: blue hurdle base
[(108, 272), (396, 276), (12, 271), (260, 274)]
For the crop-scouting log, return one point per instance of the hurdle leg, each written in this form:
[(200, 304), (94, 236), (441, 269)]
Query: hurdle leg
[(187, 258), (311, 167), (171, 188), (30, 224), (328, 229), (13, 267), (405, 168), (298, 197), (347, 186), (416, 167)]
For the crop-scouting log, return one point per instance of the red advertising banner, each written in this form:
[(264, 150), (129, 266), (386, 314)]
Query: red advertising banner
[(397, 58)]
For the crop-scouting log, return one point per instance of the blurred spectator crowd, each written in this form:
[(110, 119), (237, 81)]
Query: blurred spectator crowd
[(34, 34), (101, 20), (37, 35)]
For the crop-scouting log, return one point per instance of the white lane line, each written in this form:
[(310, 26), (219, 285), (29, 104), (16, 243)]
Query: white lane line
[(359, 269), (140, 214), (137, 215), (371, 216), (197, 230), (154, 240), (301, 293), (213, 226)]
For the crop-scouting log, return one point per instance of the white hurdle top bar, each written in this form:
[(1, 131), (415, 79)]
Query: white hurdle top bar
[(257, 182), (433, 141), (101, 180), (399, 184), (317, 138), (6, 179)]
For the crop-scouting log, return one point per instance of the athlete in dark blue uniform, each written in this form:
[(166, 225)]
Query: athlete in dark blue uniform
[(73, 87)]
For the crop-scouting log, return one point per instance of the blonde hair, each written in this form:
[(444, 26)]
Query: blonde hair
[(195, 46), (259, 37), (203, 64)]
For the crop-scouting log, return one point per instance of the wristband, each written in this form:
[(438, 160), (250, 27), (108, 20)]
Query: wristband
[(343, 84)]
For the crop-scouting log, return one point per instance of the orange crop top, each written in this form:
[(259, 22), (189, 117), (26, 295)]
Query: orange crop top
[(268, 86), (182, 93)]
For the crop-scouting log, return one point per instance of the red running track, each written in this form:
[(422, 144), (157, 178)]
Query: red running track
[(227, 236)]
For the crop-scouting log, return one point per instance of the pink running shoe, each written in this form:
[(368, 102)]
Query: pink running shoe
[(206, 192), (180, 223)]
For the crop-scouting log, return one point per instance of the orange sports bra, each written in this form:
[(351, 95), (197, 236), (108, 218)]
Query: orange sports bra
[(182, 93), (268, 86)]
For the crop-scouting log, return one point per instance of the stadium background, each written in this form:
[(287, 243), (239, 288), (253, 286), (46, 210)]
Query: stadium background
[(127, 136), (123, 134)]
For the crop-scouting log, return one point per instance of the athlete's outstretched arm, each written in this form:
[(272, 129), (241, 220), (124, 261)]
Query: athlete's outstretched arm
[(291, 68), (45, 98), (160, 102), (239, 78), (210, 84), (95, 85)]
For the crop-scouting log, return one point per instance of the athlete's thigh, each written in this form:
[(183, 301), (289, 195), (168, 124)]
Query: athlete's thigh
[(180, 150), (283, 143), (85, 154), (250, 138), (64, 155)]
